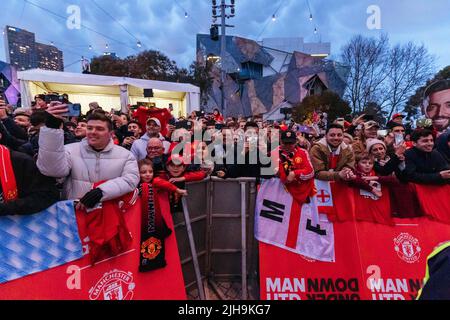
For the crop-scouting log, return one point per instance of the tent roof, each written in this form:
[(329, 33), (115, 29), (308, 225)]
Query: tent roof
[(56, 77)]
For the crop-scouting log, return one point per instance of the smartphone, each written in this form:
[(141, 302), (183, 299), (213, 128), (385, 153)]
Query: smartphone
[(398, 138), (382, 133), (219, 126), (74, 110), (54, 97), (128, 134)]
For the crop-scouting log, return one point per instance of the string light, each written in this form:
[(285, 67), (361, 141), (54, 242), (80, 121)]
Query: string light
[(90, 47), (315, 30), (185, 15), (310, 17), (139, 44), (273, 17), (106, 46)]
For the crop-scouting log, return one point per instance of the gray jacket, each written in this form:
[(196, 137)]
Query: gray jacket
[(81, 166)]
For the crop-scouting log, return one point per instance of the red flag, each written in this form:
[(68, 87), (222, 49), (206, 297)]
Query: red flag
[(434, 201)]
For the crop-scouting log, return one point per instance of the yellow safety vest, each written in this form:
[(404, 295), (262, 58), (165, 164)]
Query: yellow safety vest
[(427, 271)]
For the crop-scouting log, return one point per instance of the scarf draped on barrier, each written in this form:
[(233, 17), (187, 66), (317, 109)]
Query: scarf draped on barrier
[(153, 231), (106, 228), (7, 178)]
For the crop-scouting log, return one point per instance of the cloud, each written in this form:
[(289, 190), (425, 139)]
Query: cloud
[(161, 25)]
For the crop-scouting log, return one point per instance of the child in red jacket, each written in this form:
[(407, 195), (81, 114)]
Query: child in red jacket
[(176, 173), (366, 177), (153, 227)]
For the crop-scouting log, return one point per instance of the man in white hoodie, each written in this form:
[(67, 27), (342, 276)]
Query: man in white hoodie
[(96, 158)]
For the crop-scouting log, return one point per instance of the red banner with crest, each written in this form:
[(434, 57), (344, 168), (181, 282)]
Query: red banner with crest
[(114, 278), (374, 261)]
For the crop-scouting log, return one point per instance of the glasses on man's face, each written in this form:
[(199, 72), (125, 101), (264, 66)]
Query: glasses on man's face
[(153, 148)]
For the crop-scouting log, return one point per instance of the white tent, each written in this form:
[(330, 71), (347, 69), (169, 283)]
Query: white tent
[(109, 92)]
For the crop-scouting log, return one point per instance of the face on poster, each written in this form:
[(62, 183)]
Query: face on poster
[(436, 104)]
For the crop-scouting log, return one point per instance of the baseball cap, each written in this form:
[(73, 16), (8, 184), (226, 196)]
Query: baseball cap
[(156, 120), (397, 115), (371, 124), (288, 136)]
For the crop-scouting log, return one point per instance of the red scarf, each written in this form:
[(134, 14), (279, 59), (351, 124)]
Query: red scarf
[(333, 161), (7, 177)]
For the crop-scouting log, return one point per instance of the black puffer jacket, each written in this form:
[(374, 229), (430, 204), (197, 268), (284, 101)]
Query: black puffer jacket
[(424, 167)]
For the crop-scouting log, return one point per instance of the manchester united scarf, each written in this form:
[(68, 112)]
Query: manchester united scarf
[(153, 232), (7, 178)]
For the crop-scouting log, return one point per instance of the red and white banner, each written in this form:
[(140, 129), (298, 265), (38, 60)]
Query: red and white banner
[(374, 261), (115, 278), (281, 221)]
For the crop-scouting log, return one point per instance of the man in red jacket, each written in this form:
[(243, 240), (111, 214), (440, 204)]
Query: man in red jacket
[(295, 169)]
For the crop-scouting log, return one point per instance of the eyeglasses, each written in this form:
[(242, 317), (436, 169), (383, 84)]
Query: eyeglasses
[(154, 148)]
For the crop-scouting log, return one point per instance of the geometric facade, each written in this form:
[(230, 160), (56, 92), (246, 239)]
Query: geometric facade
[(9, 83), (248, 92)]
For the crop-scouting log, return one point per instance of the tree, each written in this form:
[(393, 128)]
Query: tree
[(366, 59), (328, 102), (409, 66), (384, 75), (201, 77), (375, 110), (107, 65)]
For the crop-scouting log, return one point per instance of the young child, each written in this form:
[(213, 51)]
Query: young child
[(365, 175), (153, 227), (178, 174)]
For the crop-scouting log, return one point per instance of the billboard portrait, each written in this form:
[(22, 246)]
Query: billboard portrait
[(436, 104)]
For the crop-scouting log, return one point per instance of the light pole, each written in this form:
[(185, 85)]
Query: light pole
[(223, 16)]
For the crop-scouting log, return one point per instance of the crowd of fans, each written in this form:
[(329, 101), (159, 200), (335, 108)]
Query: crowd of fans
[(118, 148)]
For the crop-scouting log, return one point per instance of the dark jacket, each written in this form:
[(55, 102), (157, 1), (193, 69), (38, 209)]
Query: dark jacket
[(437, 285), (14, 129), (424, 167), (36, 192), (442, 145)]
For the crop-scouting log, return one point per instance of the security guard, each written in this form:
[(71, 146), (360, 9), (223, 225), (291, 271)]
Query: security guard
[(437, 277)]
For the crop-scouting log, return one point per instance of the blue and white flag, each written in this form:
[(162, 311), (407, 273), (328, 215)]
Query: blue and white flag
[(37, 242)]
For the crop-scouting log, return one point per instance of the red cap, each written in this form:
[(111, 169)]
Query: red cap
[(397, 115)]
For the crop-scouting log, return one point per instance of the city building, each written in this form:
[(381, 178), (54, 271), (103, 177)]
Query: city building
[(23, 52), (49, 57), (263, 77)]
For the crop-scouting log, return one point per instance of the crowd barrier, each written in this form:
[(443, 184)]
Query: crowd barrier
[(114, 278), (380, 244), (214, 243)]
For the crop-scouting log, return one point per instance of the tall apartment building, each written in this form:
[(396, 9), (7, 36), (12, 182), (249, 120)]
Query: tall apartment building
[(23, 52)]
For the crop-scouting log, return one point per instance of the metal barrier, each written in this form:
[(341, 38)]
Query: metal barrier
[(218, 251)]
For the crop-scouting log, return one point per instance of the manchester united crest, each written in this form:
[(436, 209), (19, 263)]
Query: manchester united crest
[(407, 248), (298, 160), (114, 285), (150, 248)]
